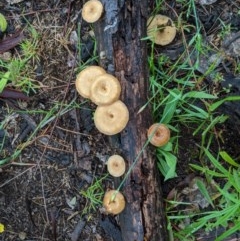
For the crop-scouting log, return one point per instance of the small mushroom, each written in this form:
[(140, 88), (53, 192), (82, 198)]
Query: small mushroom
[(158, 134), (116, 165), (111, 119), (85, 79), (92, 11), (105, 90), (161, 29), (113, 202)]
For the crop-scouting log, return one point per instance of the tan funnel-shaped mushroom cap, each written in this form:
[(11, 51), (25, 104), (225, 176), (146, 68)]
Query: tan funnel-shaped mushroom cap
[(111, 119), (158, 134), (92, 11), (116, 165), (85, 79), (113, 202), (105, 90), (161, 29)]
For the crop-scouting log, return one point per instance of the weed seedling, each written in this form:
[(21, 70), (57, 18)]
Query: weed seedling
[(94, 195), (17, 71)]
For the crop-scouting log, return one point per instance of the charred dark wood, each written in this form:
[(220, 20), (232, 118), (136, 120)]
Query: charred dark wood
[(123, 53)]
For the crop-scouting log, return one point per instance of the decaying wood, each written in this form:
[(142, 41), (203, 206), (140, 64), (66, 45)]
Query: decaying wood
[(123, 53)]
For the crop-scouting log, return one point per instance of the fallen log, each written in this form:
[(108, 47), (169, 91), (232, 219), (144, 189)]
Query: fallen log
[(123, 53)]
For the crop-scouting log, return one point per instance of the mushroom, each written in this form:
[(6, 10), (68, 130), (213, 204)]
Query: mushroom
[(111, 119), (113, 202), (85, 79), (158, 134), (105, 90), (116, 165), (92, 11), (161, 29)]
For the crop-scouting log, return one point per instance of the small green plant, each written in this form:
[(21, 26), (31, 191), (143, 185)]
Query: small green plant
[(94, 195), (226, 201), (225, 30), (17, 71)]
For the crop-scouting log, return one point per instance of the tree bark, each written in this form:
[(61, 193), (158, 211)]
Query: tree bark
[(123, 53)]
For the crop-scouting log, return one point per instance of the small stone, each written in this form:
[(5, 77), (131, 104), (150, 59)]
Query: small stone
[(22, 235), (6, 56)]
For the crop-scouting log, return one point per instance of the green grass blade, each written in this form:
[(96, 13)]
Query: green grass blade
[(229, 232), (204, 191), (228, 159), (4, 80), (216, 162), (198, 95), (215, 105), (206, 170)]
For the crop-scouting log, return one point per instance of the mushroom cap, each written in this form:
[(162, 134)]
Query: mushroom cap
[(92, 11), (111, 119), (105, 90), (158, 134), (85, 79), (113, 202), (116, 165), (161, 29)]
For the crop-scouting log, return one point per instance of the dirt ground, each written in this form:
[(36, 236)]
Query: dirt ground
[(63, 154)]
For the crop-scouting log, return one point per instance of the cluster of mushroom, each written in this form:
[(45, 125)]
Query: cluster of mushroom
[(111, 115), (113, 201)]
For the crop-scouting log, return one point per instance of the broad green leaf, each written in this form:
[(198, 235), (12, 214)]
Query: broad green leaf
[(167, 147), (167, 164)]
